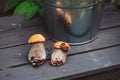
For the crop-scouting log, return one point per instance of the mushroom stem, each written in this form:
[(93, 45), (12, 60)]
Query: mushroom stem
[(37, 54), (58, 57)]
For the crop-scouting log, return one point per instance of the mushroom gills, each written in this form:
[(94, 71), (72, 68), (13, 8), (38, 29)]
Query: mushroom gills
[(58, 57), (37, 54)]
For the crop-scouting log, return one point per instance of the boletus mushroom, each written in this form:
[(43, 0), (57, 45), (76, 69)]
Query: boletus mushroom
[(59, 54), (68, 18), (59, 10), (37, 53)]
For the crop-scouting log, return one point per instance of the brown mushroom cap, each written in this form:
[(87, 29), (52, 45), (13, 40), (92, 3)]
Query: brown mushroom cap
[(36, 38), (62, 45)]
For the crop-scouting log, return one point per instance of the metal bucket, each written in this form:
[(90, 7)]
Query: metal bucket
[(73, 21)]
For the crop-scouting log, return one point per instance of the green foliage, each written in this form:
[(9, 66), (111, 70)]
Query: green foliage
[(10, 4), (41, 13), (40, 2), (22, 8), (31, 11), (27, 7)]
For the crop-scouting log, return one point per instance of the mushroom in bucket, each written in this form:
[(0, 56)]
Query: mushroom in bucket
[(37, 53), (64, 14), (59, 54)]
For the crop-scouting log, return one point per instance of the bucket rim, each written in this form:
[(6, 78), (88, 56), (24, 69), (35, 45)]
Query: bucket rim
[(72, 7)]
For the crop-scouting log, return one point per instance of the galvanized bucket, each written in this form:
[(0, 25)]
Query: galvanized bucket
[(73, 21)]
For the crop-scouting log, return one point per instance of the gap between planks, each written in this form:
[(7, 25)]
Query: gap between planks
[(73, 54)]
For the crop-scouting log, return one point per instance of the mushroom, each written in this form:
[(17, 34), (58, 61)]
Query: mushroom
[(37, 54), (58, 2), (59, 11), (68, 19), (59, 54)]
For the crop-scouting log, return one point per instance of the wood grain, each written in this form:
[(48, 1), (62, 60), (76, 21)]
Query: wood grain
[(79, 66), (10, 23), (17, 37)]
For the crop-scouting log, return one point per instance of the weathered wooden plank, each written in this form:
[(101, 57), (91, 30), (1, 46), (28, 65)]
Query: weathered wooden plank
[(79, 65), (16, 22), (18, 55), (20, 36), (105, 75), (106, 39), (111, 20), (110, 17), (15, 19), (7, 22), (14, 55)]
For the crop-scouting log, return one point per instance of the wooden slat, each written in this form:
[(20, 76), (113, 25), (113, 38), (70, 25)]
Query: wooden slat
[(110, 20), (16, 22), (17, 37), (6, 22), (12, 19), (18, 55), (79, 65), (105, 75), (110, 17), (106, 39), (14, 55)]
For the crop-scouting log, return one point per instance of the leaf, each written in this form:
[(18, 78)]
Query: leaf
[(10, 4), (40, 2), (22, 8), (28, 8), (41, 12), (32, 10)]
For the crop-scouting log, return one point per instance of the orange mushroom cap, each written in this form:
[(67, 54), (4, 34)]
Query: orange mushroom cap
[(62, 45), (67, 18), (36, 38), (59, 11), (58, 2)]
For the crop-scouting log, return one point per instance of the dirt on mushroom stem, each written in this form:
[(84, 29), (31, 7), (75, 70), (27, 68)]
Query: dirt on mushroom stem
[(59, 54), (58, 57), (37, 54)]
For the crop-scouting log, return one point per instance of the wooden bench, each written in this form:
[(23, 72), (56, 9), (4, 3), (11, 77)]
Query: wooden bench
[(97, 60)]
